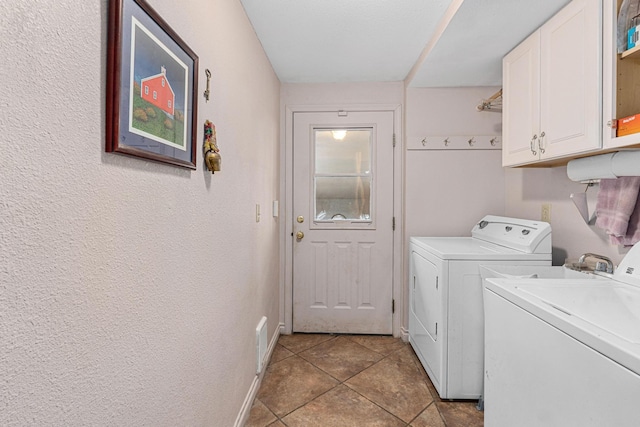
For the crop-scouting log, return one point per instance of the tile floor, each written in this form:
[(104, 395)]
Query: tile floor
[(352, 380)]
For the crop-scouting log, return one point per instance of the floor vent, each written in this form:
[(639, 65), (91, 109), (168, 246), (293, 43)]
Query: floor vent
[(261, 343)]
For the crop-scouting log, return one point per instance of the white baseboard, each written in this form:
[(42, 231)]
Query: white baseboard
[(245, 410), (404, 334)]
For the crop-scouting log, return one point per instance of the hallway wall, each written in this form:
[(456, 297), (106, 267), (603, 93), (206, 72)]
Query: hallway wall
[(130, 290)]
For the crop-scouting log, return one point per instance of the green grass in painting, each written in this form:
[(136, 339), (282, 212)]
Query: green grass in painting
[(149, 118)]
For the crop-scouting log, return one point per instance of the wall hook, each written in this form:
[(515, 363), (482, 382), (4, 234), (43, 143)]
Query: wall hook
[(472, 141), (446, 142), (424, 141), (207, 92)]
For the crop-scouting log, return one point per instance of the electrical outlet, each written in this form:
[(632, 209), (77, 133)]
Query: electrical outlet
[(546, 212)]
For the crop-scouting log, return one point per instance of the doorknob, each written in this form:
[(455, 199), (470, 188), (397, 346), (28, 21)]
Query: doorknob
[(299, 235)]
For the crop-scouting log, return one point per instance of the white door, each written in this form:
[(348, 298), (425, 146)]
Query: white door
[(343, 222)]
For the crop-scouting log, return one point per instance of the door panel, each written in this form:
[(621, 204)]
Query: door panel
[(343, 206)]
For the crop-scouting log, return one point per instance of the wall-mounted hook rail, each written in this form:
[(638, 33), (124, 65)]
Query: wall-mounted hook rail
[(455, 142)]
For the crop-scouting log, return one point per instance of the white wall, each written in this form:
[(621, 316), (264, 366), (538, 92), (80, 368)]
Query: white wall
[(130, 290), (341, 93), (528, 188), (448, 191)]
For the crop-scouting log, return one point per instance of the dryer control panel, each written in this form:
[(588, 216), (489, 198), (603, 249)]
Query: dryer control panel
[(520, 234)]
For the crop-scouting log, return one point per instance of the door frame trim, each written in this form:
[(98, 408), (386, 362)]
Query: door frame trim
[(286, 221)]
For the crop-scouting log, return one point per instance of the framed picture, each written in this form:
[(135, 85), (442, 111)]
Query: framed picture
[(151, 87)]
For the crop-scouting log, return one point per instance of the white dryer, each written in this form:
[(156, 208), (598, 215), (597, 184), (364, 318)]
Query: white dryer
[(446, 315)]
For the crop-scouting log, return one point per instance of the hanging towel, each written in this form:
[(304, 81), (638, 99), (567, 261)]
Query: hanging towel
[(617, 200), (633, 231)]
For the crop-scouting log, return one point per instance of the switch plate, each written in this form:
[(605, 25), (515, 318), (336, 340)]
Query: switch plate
[(546, 212)]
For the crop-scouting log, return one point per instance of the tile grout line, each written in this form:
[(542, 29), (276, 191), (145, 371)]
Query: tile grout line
[(389, 351), (355, 391), (339, 381)]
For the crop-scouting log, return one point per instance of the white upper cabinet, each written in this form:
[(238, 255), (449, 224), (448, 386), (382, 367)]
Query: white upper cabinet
[(552, 89), (521, 102), (621, 79)]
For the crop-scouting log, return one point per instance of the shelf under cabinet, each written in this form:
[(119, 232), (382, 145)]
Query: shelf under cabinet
[(634, 52)]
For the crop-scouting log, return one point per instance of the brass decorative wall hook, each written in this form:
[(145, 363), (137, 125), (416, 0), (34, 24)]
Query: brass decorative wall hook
[(207, 92), (212, 156)]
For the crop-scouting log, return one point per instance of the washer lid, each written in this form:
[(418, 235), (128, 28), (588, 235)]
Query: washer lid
[(520, 234), (603, 314), (469, 248)]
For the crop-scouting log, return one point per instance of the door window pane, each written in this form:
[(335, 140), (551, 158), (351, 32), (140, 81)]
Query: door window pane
[(342, 175), (349, 155), (343, 198)]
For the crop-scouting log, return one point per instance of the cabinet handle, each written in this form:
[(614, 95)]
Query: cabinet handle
[(540, 142), (532, 146)]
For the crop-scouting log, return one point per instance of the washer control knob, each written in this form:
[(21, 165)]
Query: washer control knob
[(508, 228), (483, 224), (525, 232)]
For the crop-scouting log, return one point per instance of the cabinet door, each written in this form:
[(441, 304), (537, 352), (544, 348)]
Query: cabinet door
[(570, 76), (521, 102)]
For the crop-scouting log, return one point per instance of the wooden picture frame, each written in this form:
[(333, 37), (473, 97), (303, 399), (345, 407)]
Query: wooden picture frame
[(151, 87)]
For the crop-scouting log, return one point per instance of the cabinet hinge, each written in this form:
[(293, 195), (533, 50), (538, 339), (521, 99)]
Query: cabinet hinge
[(437, 282), (393, 223), (394, 139), (436, 329), (393, 306)]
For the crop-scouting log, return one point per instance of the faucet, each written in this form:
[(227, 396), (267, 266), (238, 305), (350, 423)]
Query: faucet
[(599, 265)]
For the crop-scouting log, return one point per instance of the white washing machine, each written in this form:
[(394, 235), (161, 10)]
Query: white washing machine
[(564, 352), (446, 314)]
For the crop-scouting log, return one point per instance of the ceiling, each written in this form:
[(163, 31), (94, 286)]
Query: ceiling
[(428, 43)]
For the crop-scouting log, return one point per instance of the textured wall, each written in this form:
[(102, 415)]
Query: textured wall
[(130, 290)]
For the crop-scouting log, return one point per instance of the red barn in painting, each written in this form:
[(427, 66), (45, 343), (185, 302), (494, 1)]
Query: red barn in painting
[(157, 90)]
